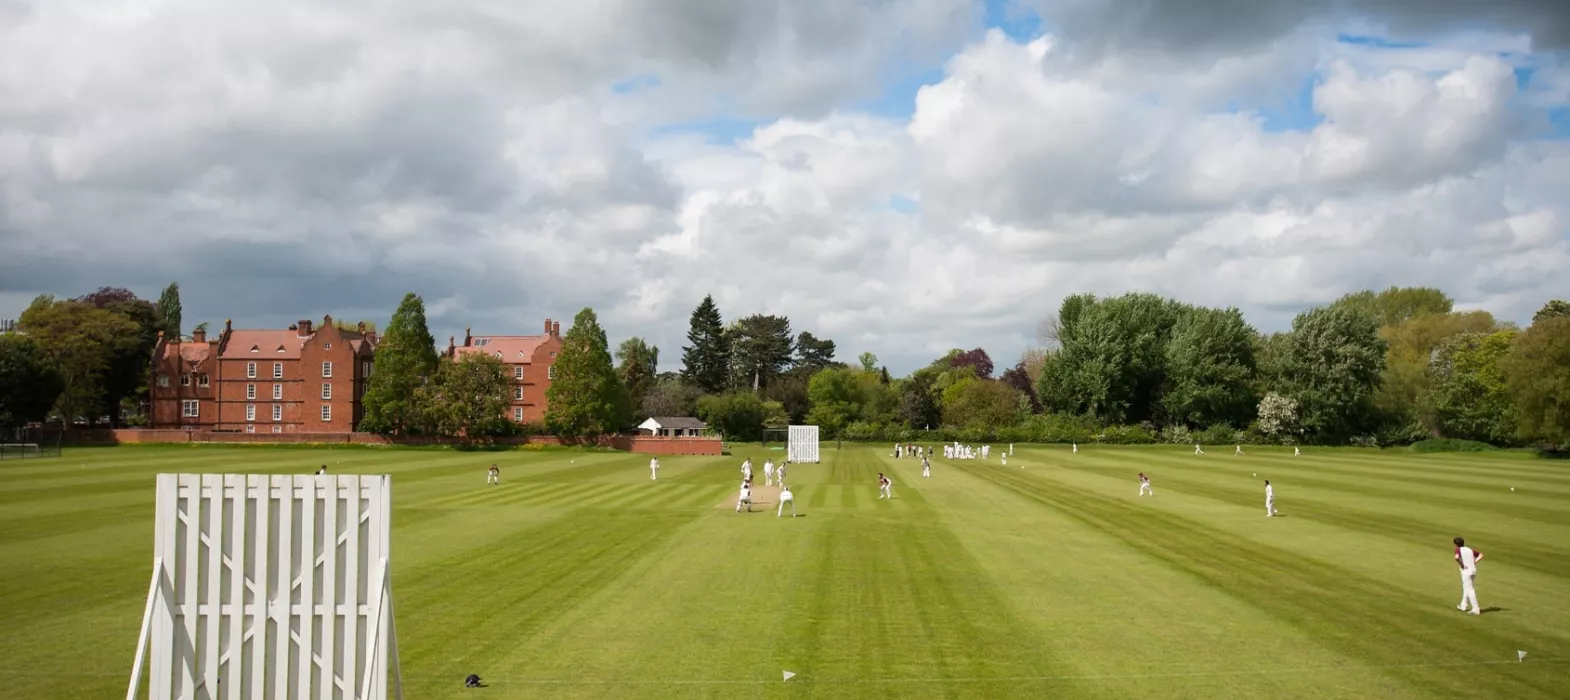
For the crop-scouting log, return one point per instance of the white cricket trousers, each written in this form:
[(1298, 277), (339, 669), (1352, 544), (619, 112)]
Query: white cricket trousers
[(492, 478), (792, 503), (1145, 488), (654, 475), (1270, 506), (1469, 592)]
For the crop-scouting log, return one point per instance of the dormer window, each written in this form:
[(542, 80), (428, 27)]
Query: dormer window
[(255, 349), (281, 350), (498, 354)]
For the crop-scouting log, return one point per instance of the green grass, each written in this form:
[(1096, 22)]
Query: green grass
[(580, 578)]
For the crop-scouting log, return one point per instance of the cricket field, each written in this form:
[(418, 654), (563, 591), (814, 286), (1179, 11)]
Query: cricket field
[(579, 577)]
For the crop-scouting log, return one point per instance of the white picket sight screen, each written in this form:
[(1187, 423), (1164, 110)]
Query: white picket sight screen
[(803, 445), (269, 586)]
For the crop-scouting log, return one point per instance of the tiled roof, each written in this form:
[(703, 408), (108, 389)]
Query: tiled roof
[(514, 349), (266, 343), (679, 422), (191, 353)]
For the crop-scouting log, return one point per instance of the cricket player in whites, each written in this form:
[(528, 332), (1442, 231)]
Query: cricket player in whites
[(1239, 451), (493, 476), (1270, 500), (1468, 559), (654, 468), (926, 468), (745, 497), (1197, 450), (779, 473), (1144, 485), (885, 487), (786, 497), (1297, 452), (768, 472), (746, 470)]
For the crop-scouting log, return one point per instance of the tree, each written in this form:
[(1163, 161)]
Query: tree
[(639, 365), (1412, 343), (1113, 361), (761, 348), (812, 353), (837, 399), (706, 359), (977, 359), (1333, 361), (1469, 399), (1537, 373), (1020, 380), (586, 398), (738, 415), (1210, 369), (1397, 304), (343, 325), (469, 397), (405, 360), (672, 398), (169, 311), (869, 361), (980, 402), (790, 391), (125, 379), (1277, 416), (29, 383), (83, 343), (919, 406), (1552, 309)]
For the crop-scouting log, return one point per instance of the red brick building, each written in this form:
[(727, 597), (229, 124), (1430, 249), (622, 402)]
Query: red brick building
[(303, 379), (531, 359)]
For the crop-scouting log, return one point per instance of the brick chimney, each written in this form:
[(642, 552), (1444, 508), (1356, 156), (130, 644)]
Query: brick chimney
[(199, 335), (228, 325), (468, 338), (547, 326), (303, 327), (555, 329)]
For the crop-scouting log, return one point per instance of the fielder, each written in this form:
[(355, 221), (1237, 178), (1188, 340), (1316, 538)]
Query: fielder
[(1239, 451), (926, 468), (779, 473), (1297, 452), (1144, 485), (745, 497), (768, 472), (1076, 448), (746, 470), (1270, 500), (1468, 559), (1197, 450), (493, 476), (654, 468), (785, 497), (885, 487)]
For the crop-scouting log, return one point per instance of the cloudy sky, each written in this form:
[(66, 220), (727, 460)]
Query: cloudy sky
[(902, 176)]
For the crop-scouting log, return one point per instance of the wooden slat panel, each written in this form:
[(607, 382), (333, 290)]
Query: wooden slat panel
[(307, 575)]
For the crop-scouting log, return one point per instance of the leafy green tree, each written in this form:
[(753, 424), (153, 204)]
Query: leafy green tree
[(869, 361), (706, 359), (1398, 304), (1537, 372), (1018, 377), (672, 398), (813, 353), (586, 399), (1278, 416), (83, 342), (29, 383), (981, 402), (790, 391), (919, 405), (1210, 369), (1333, 361), (125, 379), (738, 415), (761, 348), (1469, 399), (169, 311), (837, 397), (354, 326), (1113, 361), (1411, 344), (469, 398), (405, 361), (639, 365), (1553, 309)]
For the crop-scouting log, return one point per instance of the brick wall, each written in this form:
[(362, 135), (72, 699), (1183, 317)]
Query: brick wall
[(639, 444)]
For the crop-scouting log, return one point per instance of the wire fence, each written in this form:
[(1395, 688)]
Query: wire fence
[(29, 442)]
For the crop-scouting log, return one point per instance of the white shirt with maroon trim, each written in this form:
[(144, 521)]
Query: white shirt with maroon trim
[(1467, 558)]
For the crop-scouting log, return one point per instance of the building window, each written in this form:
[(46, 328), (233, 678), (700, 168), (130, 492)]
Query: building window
[(277, 428), (517, 372), (163, 380), (250, 392), (327, 392), (327, 413), (327, 346), (250, 370), (250, 428), (190, 409), (517, 414), (550, 373), (517, 393), (277, 370), (185, 380), (553, 353), (365, 369), (277, 412), (277, 392), (250, 412), (202, 380), (327, 369)]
